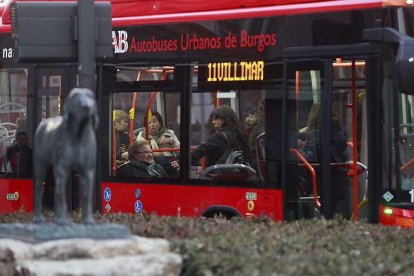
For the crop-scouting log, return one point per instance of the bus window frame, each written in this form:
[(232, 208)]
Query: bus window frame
[(109, 86), (116, 86), (238, 88), (181, 83)]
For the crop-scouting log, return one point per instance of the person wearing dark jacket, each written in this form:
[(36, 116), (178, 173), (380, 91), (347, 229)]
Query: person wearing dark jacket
[(228, 135), (141, 163), (309, 138), (255, 125), (309, 144), (20, 157), (122, 136)]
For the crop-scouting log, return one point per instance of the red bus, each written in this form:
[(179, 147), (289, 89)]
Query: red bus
[(274, 65)]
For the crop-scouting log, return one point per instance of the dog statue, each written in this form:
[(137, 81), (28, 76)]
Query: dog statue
[(67, 143)]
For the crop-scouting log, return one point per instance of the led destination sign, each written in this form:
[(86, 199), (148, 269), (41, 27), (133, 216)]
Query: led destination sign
[(233, 74), (235, 71)]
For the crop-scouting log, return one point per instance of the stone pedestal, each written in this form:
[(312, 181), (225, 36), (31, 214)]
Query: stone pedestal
[(130, 255), (36, 233)]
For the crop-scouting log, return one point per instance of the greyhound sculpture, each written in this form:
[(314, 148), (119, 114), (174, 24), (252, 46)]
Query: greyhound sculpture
[(67, 143)]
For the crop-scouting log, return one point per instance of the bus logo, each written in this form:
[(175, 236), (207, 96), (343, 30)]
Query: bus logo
[(107, 194), (120, 42)]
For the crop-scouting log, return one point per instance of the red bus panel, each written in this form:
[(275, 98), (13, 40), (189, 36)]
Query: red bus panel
[(396, 216), (193, 201), (15, 195)]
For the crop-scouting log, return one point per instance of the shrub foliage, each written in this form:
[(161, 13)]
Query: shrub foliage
[(264, 247)]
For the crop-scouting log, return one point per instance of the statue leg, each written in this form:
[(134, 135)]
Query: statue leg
[(39, 170), (61, 176), (86, 186)]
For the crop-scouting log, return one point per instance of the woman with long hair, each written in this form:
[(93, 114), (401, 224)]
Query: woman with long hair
[(228, 135), (159, 135), (309, 137)]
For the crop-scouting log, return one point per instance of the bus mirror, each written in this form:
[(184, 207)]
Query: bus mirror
[(405, 66), (404, 60)]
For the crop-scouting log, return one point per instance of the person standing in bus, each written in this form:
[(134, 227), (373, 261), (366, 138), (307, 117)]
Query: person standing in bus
[(228, 135), (20, 157), (255, 126), (159, 135), (309, 145), (309, 137), (141, 163), (122, 137)]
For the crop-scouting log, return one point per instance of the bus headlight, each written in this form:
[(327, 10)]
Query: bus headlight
[(388, 211)]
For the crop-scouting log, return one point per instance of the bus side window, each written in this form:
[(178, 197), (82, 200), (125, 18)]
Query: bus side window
[(139, 118), (240, 116)]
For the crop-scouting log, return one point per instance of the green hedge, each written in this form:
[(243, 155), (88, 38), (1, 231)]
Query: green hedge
[(264, 247)]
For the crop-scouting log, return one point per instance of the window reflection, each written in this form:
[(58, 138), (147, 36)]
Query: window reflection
[(15, 140)]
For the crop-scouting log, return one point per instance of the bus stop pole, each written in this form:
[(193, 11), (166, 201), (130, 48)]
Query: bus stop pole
[(86, 44), (86, 71)]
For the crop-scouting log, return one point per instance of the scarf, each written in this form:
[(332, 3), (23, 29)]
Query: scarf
[(149, 169), (156, 135)]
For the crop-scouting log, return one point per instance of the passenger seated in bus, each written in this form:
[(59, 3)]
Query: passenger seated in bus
[(141, 163), (159, 136), (122, 136), (21, 123), (217, 147), (309, 137), (20, 157)]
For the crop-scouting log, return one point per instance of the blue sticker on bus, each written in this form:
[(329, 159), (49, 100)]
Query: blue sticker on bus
[(138, 206), (137, 193), (107, 194)]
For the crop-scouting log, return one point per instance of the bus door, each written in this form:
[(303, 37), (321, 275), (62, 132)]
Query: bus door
[(326, 123), (53, 85)]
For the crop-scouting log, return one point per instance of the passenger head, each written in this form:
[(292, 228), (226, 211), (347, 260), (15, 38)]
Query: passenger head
[(21, 138), (223, 118), (256, 117), (156, 122), (314, 118), (120, 120), (140, 150)]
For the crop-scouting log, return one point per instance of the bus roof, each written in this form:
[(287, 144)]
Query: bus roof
[(140, 12), (174, 11), (126, 8)]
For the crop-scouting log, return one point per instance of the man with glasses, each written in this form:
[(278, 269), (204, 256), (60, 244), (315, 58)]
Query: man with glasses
[(141, 163)]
